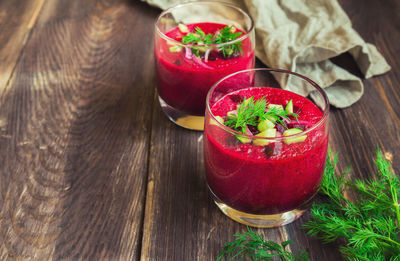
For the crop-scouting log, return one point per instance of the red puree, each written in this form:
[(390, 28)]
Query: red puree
[(183, 83), (265, 180)]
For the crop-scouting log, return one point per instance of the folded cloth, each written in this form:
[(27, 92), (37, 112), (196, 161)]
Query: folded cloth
[(302, 36)]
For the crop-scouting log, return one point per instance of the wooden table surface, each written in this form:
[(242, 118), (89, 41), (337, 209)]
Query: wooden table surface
[(92, 169)]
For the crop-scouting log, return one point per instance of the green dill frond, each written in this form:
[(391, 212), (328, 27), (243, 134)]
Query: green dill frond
[(198, 36), (226, 35), (251, 112), (369, 226), (252, 245), (248, 113)]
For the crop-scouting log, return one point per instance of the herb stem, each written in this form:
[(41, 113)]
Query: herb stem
[(370, 194), (395, 204)]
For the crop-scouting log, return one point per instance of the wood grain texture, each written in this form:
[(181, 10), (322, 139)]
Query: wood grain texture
[(74, 138), (91, 169), (17, 19)]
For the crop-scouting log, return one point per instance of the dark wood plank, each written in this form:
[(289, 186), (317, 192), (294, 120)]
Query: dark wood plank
[(75, 134), (375, 120), (17, 18)]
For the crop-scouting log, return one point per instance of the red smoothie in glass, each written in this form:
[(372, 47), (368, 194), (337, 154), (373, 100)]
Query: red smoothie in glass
[(267, 179), (184, 79)]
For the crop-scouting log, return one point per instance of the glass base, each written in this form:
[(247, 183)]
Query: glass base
[(182, 119), (263, 221)]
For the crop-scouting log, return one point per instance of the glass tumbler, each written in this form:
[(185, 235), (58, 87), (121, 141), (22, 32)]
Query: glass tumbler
[(261, 181), (185, 72)]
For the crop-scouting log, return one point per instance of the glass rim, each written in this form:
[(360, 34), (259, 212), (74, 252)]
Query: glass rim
[(241, 38), (253, 137)]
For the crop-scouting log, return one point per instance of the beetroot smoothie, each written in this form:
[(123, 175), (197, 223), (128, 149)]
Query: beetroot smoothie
[(184, 78), (267, 179)]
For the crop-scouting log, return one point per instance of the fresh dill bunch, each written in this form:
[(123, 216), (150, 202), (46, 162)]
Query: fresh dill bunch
[(252, 245), (369, 226), (224, 35), (251, 112)]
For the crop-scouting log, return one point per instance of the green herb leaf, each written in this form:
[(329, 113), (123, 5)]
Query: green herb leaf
[(369, 226), (252, 112), (248, 113), (227, 34), (252, 245), (224, 35)]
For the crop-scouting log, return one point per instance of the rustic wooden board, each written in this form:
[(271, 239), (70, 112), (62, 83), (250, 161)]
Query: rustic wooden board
[(92, 169), (375, 120), (17, 19), (75, 125)]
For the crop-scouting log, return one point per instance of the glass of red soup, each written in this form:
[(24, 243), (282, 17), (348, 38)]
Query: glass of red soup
[(265, 145), (197, 44)]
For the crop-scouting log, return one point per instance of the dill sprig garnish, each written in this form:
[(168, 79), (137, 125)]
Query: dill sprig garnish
[(251, 112), (369, 226), (252, 245), (224, 35), (248, 113), (198, 37)]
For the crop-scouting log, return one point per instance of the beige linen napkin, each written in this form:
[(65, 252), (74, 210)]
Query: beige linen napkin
[(301, 36)]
